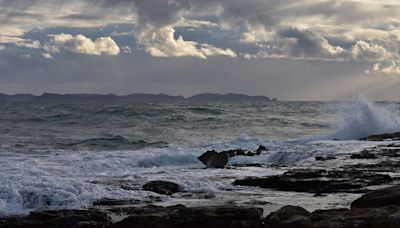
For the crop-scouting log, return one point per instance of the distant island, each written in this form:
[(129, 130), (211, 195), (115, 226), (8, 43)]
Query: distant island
[(136, 97)]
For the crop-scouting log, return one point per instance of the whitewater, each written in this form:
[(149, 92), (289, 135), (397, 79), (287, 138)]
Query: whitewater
[(69, 155)]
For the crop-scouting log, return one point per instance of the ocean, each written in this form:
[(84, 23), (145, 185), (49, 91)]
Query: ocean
[(68, 155)]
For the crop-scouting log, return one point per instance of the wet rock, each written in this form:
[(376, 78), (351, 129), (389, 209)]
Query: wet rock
[(260, 149), (318, 181), (383, 137), (289, 217), (383, 166), (356, 218), (162, 187), (180, 216), (213, 159), (114, 202), (325, 158), (379, 198), (59, 219), (364, 155)]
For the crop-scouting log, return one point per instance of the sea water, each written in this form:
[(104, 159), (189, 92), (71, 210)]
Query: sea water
[(68, 155)]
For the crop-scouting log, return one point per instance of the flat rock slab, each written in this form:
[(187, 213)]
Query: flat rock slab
[(318, 181), (59, 219), (385, 217), (180, 216), (162, 187), (383, 137), (379, 198)]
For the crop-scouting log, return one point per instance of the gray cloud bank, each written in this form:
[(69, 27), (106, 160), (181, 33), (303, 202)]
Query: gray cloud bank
[(362, 34), (340, 30)]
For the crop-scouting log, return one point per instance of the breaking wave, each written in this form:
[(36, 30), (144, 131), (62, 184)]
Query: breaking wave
[(112, 143), (362, 118)]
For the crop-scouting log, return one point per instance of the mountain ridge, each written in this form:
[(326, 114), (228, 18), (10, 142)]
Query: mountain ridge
[(134, 97)]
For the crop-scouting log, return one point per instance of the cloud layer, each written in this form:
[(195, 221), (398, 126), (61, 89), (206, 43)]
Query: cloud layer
[(360, 36), (83, 45)]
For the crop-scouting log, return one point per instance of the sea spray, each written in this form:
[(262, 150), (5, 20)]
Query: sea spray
[(361, 118)]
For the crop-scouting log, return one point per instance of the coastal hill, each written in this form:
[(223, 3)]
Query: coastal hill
[(136, 97)]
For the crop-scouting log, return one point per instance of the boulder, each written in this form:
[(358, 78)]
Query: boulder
[(378, 198), (213, 159), (162, 187), (356, 218), (289, 217)]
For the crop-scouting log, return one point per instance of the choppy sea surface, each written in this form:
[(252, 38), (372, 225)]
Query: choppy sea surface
[(68, 155)]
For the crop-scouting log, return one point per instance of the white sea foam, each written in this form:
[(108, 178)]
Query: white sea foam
[(360, 118), (74, 179)]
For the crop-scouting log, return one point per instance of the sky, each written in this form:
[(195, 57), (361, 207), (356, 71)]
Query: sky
[(289, 49)]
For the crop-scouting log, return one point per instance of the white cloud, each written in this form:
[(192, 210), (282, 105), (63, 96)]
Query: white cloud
[(160, 42), (10, 39), (47, 55), (83, 45), (345, 30), (29, 44), (369, 52)]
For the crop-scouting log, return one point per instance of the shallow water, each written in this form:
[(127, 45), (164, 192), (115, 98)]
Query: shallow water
[(69, 155)]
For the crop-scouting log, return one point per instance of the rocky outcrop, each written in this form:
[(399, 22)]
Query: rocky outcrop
[(289, 216), (356, 218), (376, 209), (318, 181), (379, 198), (364, 155), (183, 217), (383, 137), (60, 219), (214, 159), (162, 187)]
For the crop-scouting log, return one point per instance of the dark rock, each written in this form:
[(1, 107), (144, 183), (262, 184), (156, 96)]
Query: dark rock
[(115, 202), (210, 217), (289, 217), (383, 137), (213, 159), (383, 166), (318, 181), (59, 219), (356, 218), (390, 152), (162, 187), (325, 158), (260, 149), (319, 195), (379, 198), (364, 155)]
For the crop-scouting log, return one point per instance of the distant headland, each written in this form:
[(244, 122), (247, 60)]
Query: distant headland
[(135, 97)]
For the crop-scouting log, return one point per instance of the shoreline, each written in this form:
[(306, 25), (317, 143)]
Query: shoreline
[(379, 208)]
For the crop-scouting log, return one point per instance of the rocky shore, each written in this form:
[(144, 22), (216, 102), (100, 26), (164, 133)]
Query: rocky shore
[(375, 177), (380, 208)]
